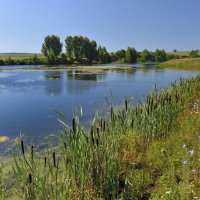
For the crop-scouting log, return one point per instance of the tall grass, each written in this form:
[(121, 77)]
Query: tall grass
[(91, 164), (186, 63)]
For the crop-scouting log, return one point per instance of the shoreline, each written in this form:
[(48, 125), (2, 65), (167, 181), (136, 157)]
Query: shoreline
[(79, 68)]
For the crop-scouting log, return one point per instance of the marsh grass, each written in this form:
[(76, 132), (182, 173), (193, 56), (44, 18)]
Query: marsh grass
[(134, 153), (186, 63)]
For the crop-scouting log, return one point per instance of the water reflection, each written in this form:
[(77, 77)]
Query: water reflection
[(80, 75), (81, 82), (52, 75), (53, 83)]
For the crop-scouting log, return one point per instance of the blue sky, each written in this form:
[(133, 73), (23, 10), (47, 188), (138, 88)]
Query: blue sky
[(116, 24)]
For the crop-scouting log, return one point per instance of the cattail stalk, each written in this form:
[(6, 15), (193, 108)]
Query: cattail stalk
[(30, 178), (45, 161), (54, 159), (22, 146), (74, 125)]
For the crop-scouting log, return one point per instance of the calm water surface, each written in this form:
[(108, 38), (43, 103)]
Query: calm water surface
[(28, 98)]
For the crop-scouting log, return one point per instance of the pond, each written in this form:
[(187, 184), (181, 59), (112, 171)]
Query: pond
[(29, 98)]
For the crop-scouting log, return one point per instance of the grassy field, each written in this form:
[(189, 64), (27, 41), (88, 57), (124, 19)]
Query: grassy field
[(180, 54), (19, 55), (22, 59), (186, 63), (148, 151)]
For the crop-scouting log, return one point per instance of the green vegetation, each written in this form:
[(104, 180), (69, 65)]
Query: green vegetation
[(103, 55), (51, 48), (183, 54), (186, 63), (194, 54), (131, 55), (22, 59), (147, 151), (81, 50)]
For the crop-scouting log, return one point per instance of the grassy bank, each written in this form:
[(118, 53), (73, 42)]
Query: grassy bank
[(186, 63), (148, 151)]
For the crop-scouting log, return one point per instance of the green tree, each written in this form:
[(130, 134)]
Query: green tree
[(80, 49), (51, 48), (103, 55), (63, 58), (160, 55), (120, 55), (194, 54), (146, 56), (69, 45), (35, 60), (131, 55), (91, 52)]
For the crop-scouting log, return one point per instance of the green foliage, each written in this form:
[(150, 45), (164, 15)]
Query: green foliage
[(131, 55), (80, 49), (146, 56), (32, 60), (51, 48), (160, 55), (194, 54), (120, 54), (103, 55)]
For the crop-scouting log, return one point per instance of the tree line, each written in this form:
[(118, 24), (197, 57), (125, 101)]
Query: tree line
[(82, 50)]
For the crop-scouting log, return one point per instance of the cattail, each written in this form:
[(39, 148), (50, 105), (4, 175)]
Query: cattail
[(54, 159), (92, 136), (126, 105), (148, 110), (101, 124), (86, 139), (132, 123), (136, 111), (45, 161), (65, 145), (104, 125), (97, 132), (32, 150), (91, 133), (93, 141), (30, 178), (97, 142), (111, 112), (22, 146), (74, 125)]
